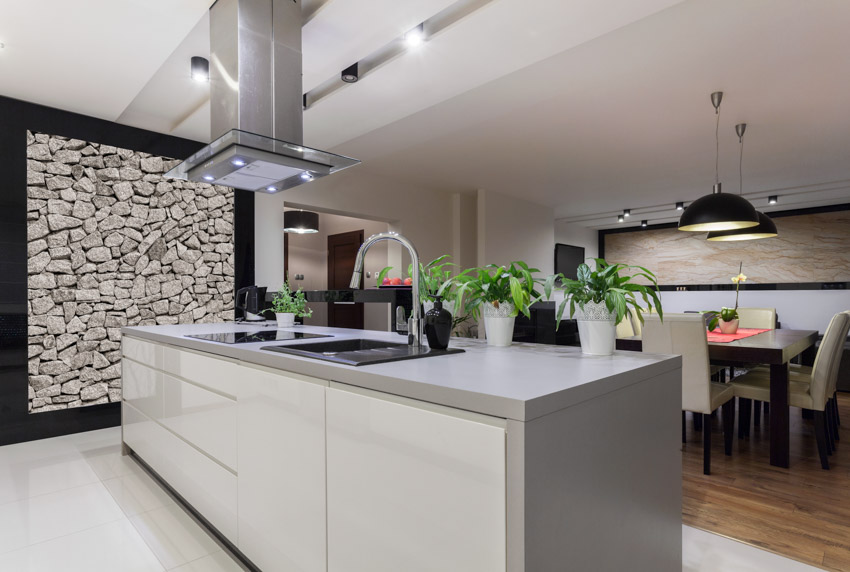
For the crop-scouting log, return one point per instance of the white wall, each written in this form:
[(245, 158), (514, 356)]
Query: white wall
[(513, 229), (795, 309), (576, 235)]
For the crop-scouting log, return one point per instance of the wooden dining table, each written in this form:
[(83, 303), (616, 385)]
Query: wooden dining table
[(774, 348)]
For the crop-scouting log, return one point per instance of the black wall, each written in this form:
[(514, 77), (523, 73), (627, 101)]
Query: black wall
[(16, 117)]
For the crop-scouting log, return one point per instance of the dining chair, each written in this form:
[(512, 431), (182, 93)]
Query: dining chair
[(625, 328), (636, 325), (762, 318), (685, 334), (809, 391)]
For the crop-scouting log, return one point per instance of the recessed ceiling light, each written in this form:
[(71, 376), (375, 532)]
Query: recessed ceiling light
[(643, 223), (209, 178), (627, 212), (680, 206), (772, 200), (271, 189), (306, 176), (415, 37), (200, 69), (238, 162), (621, 218)]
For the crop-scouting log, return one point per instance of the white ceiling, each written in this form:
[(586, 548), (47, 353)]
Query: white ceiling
[(587, 106)]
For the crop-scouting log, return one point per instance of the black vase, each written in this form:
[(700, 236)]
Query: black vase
[(438, 326)]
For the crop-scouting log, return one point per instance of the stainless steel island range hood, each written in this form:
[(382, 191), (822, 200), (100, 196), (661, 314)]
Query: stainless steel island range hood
[(256, 102)]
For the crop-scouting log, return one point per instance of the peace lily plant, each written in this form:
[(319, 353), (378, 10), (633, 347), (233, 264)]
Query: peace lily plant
[(603, 297), (728, 317)]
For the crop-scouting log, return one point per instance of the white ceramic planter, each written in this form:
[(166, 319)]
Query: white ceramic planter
[(597, 329), (285, 320), (730, 327), (428, 305), (499, 324)]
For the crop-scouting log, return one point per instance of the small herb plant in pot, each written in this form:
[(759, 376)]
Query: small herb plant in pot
[(600, 299), (287, 305), (499, 294)]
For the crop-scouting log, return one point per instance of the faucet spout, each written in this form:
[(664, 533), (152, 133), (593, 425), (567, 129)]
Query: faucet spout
[(414, 324)]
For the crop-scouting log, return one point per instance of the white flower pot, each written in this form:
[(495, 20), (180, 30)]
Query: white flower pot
[(427, 306), (730, 327), (499, 324), (285, 320), (597, 329)]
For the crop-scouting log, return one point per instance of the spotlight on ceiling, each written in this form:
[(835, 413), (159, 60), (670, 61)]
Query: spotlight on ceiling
[(351, 74), (415, 37), (200, 69), (627, 212), (643, 224), (680, 206), (772, 199), (300, 222), (621, 218)]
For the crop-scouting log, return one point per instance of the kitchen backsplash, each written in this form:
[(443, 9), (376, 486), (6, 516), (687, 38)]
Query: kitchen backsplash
[(111, 243)]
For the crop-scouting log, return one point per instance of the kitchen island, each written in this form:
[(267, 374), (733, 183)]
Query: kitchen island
[(527, 458)]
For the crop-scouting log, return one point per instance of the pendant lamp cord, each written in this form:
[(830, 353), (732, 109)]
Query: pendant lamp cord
[(717, 146), (741, 168)]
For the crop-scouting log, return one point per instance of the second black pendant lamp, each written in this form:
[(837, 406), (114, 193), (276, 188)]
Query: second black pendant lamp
[(718, 211), (766, 228)]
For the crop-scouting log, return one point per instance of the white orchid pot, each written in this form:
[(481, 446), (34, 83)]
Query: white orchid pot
[(285, 320), (499, 323), (597, 329), (730, 327)]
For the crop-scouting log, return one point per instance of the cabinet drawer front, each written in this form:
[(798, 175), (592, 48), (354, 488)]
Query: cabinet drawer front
[(142, 388), (144, 352), (217, 374), (205, 419), (412, 489), (282, 523), (205, 484)]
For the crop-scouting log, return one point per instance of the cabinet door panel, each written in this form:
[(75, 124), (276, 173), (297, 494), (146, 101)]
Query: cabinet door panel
[(412, 489), (219, 374), (282, 471), (142, 388), (205, 419)]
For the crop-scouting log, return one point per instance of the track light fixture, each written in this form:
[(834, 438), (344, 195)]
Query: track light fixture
[(627, 212), (680, 206), (200, 69), (415, 37), (772, 199), (643, 224), (621, 218), (351, 74)]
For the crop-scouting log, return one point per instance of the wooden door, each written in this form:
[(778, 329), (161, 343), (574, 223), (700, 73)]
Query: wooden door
[(342, 251)]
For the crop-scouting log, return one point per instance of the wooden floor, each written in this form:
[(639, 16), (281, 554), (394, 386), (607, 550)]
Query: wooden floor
[(802, 512)]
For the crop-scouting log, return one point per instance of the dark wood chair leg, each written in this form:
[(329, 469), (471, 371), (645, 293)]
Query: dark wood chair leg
[(697, 421), (706, 443), (766, 411), (807, 414), (722, 374), (835, 423), (835, 400), (744, 407), (830, 430), (820, 435), (728, 425), (756, 413), (684, 428)]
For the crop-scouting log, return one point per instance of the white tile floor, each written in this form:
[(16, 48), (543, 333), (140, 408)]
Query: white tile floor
[(74, 503)]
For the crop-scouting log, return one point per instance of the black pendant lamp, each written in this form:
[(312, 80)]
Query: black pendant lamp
[(766, 228), (718, 211), (300, 222)]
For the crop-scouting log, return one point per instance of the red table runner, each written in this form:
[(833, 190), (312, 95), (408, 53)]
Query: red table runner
[(717, 337)]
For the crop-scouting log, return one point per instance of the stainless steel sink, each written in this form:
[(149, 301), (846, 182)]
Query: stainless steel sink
[(359, 351)]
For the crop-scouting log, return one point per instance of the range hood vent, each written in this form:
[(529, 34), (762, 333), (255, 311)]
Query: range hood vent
[(256, 102), (257, 163)]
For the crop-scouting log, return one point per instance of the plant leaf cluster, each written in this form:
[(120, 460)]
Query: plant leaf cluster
[(286, 301), (495, 284)]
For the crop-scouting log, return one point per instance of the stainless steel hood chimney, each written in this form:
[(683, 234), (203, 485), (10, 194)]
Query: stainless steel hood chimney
[(256, 102)]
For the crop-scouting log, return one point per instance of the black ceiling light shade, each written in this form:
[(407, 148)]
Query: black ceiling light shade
[(200, 68), (351, 74), (300, 222), (766, 228), (718, 211)]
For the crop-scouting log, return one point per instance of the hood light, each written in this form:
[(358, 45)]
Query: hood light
[(209, 178), (238, 162), (271, 189), (306, 176)]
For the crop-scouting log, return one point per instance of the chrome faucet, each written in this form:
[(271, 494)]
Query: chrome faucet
[(414, 323)]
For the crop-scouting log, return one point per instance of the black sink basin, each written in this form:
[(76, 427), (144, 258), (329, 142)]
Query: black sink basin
[(359, 351)]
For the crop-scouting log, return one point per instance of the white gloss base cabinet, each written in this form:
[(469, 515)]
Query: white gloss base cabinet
[(282, 471), (413, 488)]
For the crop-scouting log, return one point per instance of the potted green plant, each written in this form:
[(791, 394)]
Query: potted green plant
[(599, 300), (728, 317), (287, 304), (434, 280), (499, 294)]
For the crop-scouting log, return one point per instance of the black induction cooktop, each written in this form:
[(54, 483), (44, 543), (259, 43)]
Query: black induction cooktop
[(256, 336)]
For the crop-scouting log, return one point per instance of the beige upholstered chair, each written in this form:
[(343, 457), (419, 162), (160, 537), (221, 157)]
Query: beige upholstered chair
[(636, 325), (684, 334), (624, 328), (763, 318), (810, 391)]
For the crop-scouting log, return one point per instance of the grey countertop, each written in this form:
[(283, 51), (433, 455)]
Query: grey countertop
[(521, 382)]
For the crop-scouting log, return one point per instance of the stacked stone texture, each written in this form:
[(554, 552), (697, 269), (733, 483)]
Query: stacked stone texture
[(113, 243)]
